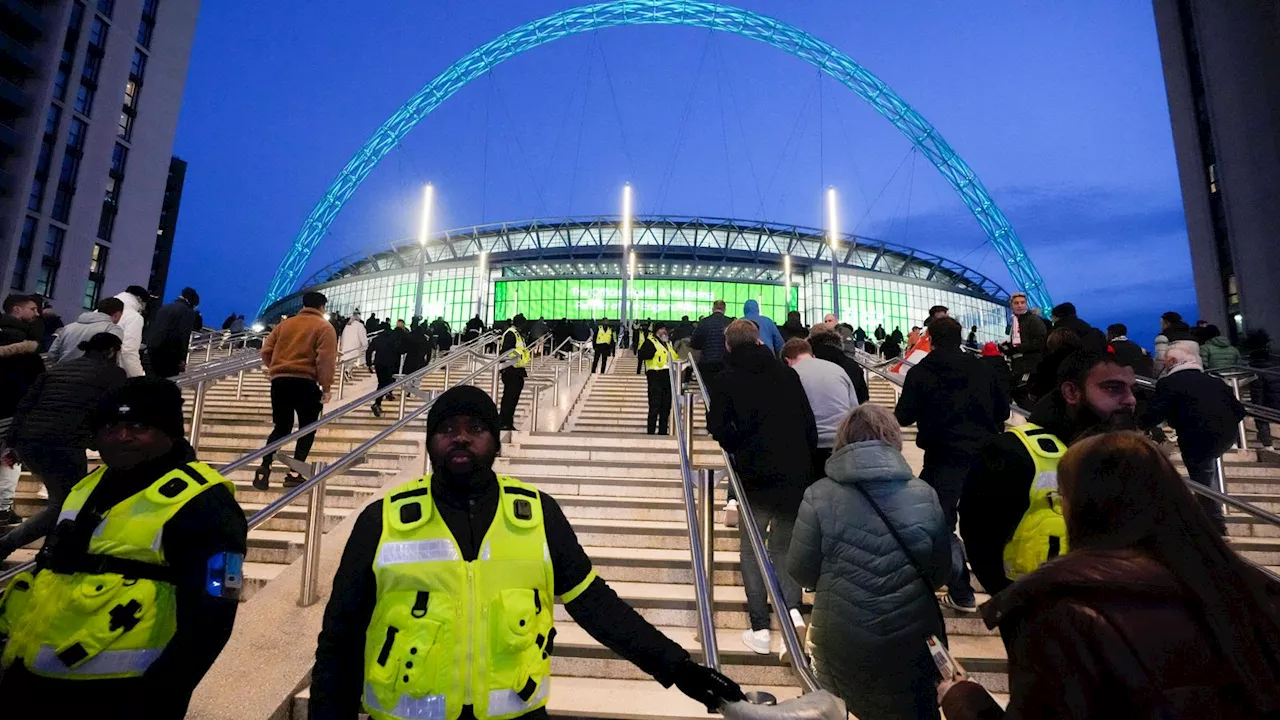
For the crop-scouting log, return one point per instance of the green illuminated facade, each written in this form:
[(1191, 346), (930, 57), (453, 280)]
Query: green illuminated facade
[(648, 298)]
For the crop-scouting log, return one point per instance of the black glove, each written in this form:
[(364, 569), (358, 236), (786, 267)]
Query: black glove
[(706, 685)]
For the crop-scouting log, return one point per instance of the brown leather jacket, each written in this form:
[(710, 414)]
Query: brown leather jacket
[(1104, 635)]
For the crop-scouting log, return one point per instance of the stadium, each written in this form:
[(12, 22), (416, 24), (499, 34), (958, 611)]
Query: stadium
[(572, 268)]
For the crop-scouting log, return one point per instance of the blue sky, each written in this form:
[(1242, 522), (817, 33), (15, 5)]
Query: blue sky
[(1059, 107)]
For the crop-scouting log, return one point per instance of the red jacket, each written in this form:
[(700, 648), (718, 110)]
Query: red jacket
[(1104, 635)]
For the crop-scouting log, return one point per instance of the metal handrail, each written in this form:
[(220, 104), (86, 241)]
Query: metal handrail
[(746, 520), (702, 573)]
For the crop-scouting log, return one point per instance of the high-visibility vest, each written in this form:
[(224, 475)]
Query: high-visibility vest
[(447, 633), (1041, 534), (604, 335), (523, 352), (115, 612), (661, 359)]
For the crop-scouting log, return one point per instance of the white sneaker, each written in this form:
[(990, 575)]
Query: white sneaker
[(757, 641), (731, 514), (43, 493)]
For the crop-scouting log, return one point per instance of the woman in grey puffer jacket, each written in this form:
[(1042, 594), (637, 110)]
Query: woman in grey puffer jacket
[(872, 610)]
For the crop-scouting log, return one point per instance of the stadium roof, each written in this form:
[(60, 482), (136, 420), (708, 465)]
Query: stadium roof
[(662, 238)]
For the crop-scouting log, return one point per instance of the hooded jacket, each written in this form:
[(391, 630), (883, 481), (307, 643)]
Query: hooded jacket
[(954, 399), (131, 325), (355, 339), (1177, 335), (871, 612), (1218, 354), (1105, 634), (759, 413), (768, 330), (67, 344)]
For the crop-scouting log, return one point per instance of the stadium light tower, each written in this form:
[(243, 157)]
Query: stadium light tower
[(626, 246), (424, 228), (631, 275), (833, 240)]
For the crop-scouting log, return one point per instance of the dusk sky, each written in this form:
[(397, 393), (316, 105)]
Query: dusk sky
[(1059, 107)]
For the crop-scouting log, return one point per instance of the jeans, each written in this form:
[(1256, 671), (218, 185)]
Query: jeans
[(292, 396), (659, 387), (1203, 472), (59, 468), (776, 526), (512, 386), (945, 472), (601, 358), (8, 482)]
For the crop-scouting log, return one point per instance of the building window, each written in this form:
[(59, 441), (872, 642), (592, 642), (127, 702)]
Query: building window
[(119, 158), (125, 128), (131, 95), (51, 122), (97, 275), (76, 134), (84, 99), (77, 19), (60, 83), (113, 190), (98, 34), (62, 202), (47, 280), (1213, 177), (139, 66), (92, 67), (26, 243), (36, 198), (107, 220), (147, 25), (106, 7)]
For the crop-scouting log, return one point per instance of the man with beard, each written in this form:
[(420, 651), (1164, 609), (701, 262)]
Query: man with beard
[(461, 558), (1010, 507)]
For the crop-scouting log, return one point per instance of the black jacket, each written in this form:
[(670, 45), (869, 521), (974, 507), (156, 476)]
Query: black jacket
[(954, 399), (337, 680), (210, 524), (709, 338), (387, 348), (20, 362), (509, 343), (1004, 377), (1132, 355), (1032, 333), (417, 350), (826, 346), (1201, 408), (57, 408), (170, 331), (760, 414), (996, 494)]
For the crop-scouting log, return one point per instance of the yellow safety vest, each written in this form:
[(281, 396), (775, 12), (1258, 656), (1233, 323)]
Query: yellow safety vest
[(523, 359), (1041, 534), (114, 615), (604, 335), (447, 633), (661, 359)]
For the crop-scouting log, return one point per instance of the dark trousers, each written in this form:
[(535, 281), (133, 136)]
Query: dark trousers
[(946, 473), (166, 363), (512, 386), (1258, 396), (386, 376), (293, 397), (818, 468), (659, 382), (1202, 472), (776, 525), (602, 357), (59, 468), (709, 370)]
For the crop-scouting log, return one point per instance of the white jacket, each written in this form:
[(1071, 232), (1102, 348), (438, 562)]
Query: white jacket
[(354, 341), (131, 323)]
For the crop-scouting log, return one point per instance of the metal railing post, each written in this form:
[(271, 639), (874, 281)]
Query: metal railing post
[(493, 384), (239, 384), (688, 421), (208, 352), (708, 476), (197, 415), (555, 389), (446, 375), (1241, 437), (308, 594), (404, 397), (533, 409), (342, 378)]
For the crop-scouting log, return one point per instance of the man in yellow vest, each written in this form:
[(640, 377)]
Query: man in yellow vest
[(1010, 516), (656, 355), (442, 606), (513, 338), (135, 592), (604, 341)]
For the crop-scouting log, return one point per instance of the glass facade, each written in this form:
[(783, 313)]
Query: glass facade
[(446, 293), (870, 301), (648, 297)]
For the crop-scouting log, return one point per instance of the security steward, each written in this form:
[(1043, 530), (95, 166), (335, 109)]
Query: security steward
[(656, 355), (513, 338), (603, 345), (442, 607), (1011, 513), (136, 590)]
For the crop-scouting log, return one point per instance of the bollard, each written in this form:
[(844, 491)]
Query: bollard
[(308, 594), (197, 415), (1241, 437)]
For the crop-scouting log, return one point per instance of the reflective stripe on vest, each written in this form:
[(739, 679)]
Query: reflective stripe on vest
[(446, 633), (104, 624), (1041, 534), (604, 335), (523, 353), (661, 359)]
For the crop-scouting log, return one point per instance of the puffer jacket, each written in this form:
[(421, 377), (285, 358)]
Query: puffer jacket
[(67, 344), (871, 611), (1219, 354), (1174, 337), (131, 323), (708, 337), (57, 409)]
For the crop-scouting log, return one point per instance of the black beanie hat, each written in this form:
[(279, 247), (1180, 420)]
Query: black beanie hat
[(150, 401), (464, 400)]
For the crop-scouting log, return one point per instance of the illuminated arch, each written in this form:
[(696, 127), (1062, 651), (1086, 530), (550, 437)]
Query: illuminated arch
[(692, 13)]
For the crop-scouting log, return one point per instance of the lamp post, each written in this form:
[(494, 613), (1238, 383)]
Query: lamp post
[(786, 275), (626, 246), (424, 227), (834, 243), (482, 283), (632, 275)]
